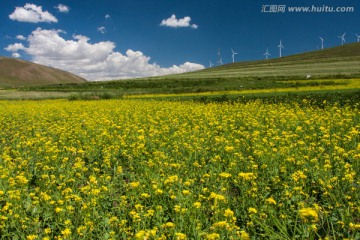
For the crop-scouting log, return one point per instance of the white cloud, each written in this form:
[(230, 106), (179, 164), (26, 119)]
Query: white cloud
[(15, 55), (32, 13), (94, 61), (62, 8), (15, 47), (101, 29), (107, 16), (175, 23), (21, 37)]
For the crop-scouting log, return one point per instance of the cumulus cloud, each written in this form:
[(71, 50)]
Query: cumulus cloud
[(20, 37), (62, 8), (175, 23), (107, 16), (93, 61), (15, 47), (101, 29), (32, 13), (15, 55)]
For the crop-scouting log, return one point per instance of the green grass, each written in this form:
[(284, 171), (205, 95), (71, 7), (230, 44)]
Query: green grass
[(330, 69), (325, 65)]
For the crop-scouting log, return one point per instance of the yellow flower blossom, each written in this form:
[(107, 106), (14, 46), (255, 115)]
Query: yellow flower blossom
[(212, 236), (134, 184), (168, 225), (309, 214), (252, 210), (66, 232), (180, 236), (225, 175), (228, 213), (271, 200), (31, 237), (246, 176), (197, 204)]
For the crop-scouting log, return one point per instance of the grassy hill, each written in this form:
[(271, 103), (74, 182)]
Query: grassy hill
[(332, 69), (341, 60), (16, 73)]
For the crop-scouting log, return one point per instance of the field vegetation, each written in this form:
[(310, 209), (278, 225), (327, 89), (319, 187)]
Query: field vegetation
[(142, 169), (243, 151)]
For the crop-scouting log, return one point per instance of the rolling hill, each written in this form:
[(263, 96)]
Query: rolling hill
[(324, 66), (341, 60), (17, 73)]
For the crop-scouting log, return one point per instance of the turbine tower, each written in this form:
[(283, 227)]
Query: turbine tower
[(342, 38), (267, 54), (233, 55), (280, 47), (322, 42), (219, 57), (211, 64), (358, 37)]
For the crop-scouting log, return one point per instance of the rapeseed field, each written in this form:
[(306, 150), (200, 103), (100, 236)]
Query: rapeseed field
[(132, 169)]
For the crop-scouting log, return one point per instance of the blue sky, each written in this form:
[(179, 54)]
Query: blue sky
[(112, 39)]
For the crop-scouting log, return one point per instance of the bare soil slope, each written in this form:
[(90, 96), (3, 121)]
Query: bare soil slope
[(17, 73)]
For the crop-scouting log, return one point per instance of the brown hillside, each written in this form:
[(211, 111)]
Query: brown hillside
[(16, 73)]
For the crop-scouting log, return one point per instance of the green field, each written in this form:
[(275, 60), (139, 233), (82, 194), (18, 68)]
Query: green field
[(331, 70)]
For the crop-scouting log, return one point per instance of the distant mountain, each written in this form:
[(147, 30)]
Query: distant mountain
[(16, 73)]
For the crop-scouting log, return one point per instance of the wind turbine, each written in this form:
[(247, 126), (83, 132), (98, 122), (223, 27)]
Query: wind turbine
[(358, 37), (267, 54), (342, 38), (220, 62), (211, 64), (219, 57), (233, 55), (322, 42), (280, 47)]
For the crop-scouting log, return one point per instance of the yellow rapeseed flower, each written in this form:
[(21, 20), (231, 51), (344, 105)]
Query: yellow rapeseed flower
[(243, 235), (180, 236), (228, 213), (270, 200), (31, 237), (307, 214), (168, 225), (252, 210), (197, 204), (66, 232), (134, 184), (354, 226), (246, 176), (212, 236), (225, 175)]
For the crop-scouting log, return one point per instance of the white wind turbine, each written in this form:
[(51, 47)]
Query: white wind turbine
[(219, 57), (280, 47), (211, 64), (220, 62), (358, 37), (342, 38), (267, 54), (322, 42), (233, 55)]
